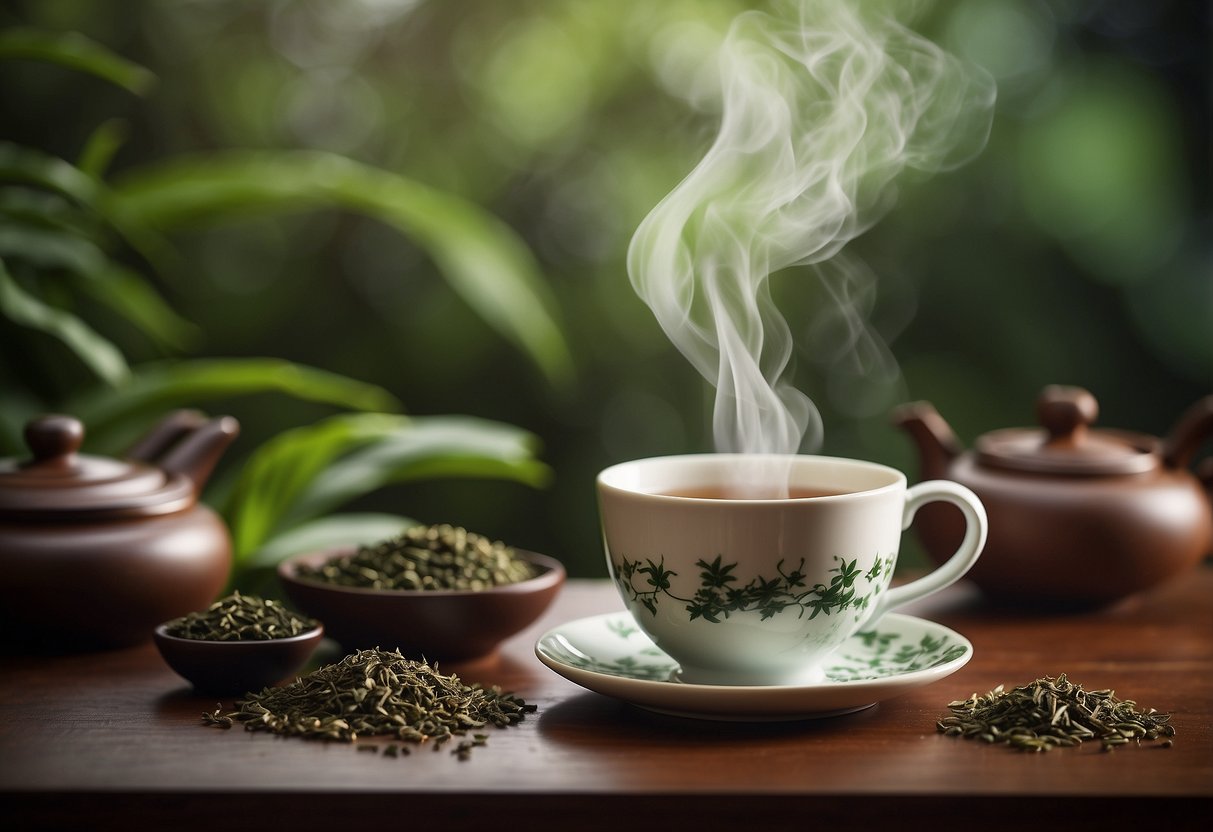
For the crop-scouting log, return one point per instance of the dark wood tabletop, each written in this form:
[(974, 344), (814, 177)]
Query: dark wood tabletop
[(113, 740)]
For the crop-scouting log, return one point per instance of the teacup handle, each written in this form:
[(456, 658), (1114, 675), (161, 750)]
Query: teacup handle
[(976, 527)]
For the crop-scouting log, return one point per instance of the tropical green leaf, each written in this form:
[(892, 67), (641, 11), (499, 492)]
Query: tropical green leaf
[(75, 51), (104, 142), (94, 351), (33, 167), (117, 287), (282, 468), (306, 472), (481, 257), (155, 388), (136, 301), (434, 446), (48, 248), (351, 529), (45, 210)]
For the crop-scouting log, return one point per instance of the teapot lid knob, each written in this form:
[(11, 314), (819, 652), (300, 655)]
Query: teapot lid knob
[(1068, 445), (54, 437), (1066, 412), (59, 482)]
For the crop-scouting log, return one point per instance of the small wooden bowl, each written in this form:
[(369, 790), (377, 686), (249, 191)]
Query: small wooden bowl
[(230, 668), (435, 625)]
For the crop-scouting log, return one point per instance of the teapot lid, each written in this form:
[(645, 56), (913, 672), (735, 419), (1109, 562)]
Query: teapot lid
[(1067, 445), (61, 483)]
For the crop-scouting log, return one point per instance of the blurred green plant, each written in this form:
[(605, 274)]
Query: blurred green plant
[(284, 501), (569, 120), (63, 233)]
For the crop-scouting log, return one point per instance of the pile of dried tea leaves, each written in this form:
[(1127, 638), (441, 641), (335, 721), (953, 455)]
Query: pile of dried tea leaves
[(240, 618), (426, 557), (377, 693), (1054, 712)]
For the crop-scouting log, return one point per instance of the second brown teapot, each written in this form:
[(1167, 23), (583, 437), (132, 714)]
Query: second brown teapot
[(95, 551), (1078, 516)]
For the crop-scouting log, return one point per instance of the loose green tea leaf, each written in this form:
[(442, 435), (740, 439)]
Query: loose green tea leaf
[(426, 557), (380, 693), (217, 718), (1054, 712), (240, 618)]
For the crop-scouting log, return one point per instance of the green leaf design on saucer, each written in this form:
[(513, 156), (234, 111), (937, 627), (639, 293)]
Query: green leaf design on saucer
[(881, 656), (635, 666), (865, 656)]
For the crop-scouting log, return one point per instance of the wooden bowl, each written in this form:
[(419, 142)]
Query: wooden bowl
[(230, 668), (435, 625)]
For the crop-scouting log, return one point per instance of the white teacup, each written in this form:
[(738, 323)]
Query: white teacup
[(744, 586)]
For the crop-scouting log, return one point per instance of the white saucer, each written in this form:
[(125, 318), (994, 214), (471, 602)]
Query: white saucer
[(608, 654)]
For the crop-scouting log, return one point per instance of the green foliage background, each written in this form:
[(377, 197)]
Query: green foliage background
[(520, 144)]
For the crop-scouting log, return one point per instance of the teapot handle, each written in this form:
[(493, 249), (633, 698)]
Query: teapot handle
[(1193, 428)]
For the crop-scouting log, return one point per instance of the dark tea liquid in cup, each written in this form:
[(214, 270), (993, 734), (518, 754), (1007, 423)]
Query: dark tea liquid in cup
[(730, 492)]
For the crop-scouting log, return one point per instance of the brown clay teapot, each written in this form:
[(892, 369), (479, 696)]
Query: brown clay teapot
[(95, 552), (1078, 517)]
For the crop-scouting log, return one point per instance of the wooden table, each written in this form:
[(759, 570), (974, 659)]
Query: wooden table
[(113, 740)]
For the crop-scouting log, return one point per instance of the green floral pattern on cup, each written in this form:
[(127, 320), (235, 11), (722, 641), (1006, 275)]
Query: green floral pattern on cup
[(719, 594)]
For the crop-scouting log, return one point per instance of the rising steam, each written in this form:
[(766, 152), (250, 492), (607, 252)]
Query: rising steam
[(824, 102)]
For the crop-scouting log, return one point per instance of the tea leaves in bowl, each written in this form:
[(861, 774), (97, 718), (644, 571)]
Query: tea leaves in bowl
[(438, 557), (238, 617)]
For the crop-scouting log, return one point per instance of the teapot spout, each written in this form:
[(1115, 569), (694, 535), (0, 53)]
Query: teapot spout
[(166, 433), (937, 443), (187, 443)]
